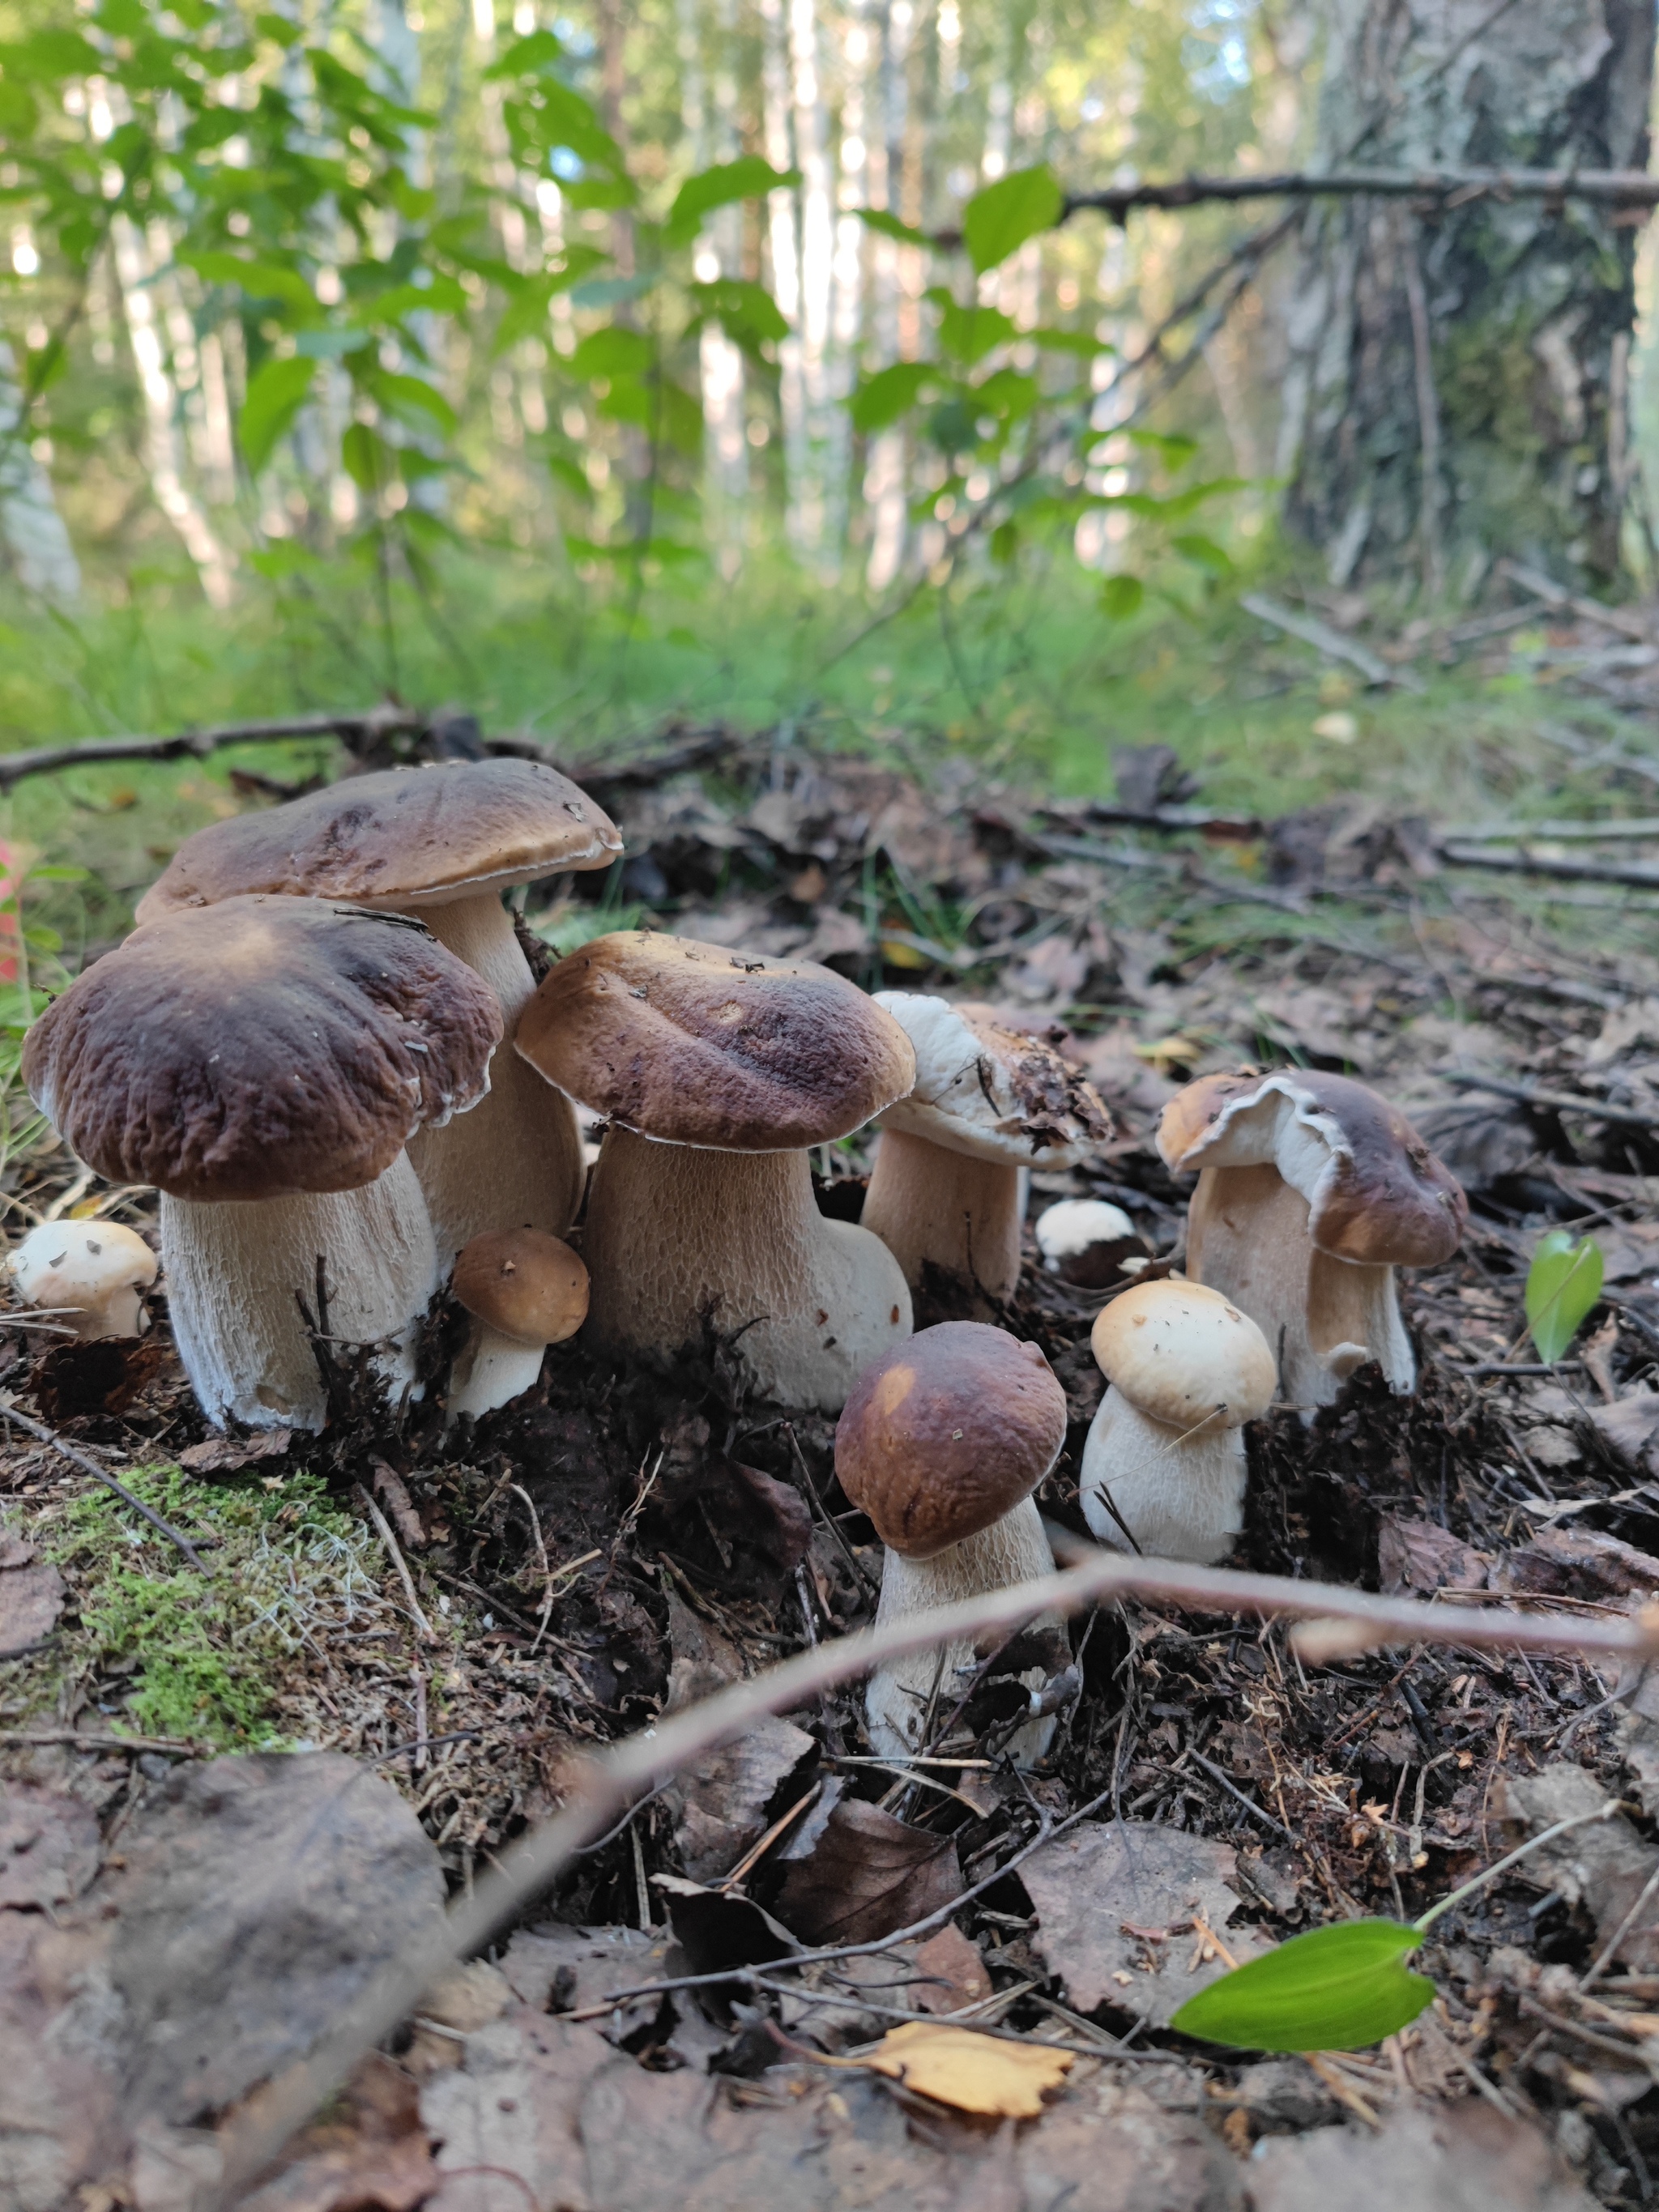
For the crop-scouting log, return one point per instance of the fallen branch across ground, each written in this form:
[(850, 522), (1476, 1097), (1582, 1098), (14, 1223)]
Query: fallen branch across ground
[(610, 1781), (1554, 1101), (1642, 875), (196, 744), (88, 1465)]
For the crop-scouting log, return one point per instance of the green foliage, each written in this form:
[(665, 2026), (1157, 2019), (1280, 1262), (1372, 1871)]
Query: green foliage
[(1334, 1989), (997, 222), (1563, 1283)]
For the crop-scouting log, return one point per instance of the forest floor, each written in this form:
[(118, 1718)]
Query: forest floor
[(444, 1623)]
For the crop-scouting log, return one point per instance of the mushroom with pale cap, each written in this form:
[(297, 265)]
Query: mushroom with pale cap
[(264, 1065), (91, 1274), (1164, 1464), (717, 1070), (1088, 1242), (525, 1290), (987, 1101), (942, 1444), (1311, 1191), (441, 843)]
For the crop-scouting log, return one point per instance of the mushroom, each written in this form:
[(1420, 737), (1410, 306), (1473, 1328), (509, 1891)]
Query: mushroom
[(263, 1064), (942, 1444), (989, 1101), (1088, 1242), (441, 843), (525, 1290), (1311, 1191), (1163, 1465), (717, 1070), (94, 1273)]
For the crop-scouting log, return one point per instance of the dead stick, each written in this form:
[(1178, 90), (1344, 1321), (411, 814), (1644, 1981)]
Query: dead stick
[(1557, 1102), (42, 1434), (639, 1762), (196, 744), (429, 1633), (1616, 187)]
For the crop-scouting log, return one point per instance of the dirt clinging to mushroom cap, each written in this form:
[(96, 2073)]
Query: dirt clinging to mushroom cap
[(272, 1046)]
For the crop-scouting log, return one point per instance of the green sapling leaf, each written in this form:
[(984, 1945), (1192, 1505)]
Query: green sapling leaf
[(1334, 1989), (1563, 1283)]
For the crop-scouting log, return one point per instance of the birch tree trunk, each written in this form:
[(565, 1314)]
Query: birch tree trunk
[(36, 544), (784, 241), (886, 473), (1452, 389), (708, 105), (817, 242)]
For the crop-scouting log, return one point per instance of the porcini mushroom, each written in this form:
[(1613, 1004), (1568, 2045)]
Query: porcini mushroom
[(717, 1070), (264, 1065), (942, 1444), (1311, 1191), (525, 1290), (91, 1274), (1088, 1242), (441, 843), (1164, 1464), (987, 1101)]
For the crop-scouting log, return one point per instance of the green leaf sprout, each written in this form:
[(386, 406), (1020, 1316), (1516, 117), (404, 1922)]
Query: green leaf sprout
[(1563, 1283)]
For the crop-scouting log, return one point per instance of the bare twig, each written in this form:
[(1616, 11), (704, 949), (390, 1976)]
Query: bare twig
[(77, 1738), (1323, 639), (1641, 874), (428, 1633), (43, 1435), (1555, 1102), (196, 744), (1622, 620), (1610, 187), (527, 1866)]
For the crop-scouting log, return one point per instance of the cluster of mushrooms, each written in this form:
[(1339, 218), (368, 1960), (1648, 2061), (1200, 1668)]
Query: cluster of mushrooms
[(325, 1046)]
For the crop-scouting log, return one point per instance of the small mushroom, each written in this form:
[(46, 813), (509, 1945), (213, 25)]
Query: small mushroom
[(92, 1274), (525, 1290), (1311, 1191), (441, 843), (1163, 1465), (717, 1070), (263, 1064), (942, 1444), (946, 1192), (1088, 1242)]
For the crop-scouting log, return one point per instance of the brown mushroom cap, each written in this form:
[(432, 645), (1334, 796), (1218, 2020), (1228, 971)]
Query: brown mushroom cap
[(1376, 1191), (948, 1433), (523, 1283), (271, 1046), (397, 840), (993, 1092), (696, 1044), (1179, 1351)]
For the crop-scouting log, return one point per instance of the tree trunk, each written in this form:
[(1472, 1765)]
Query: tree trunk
[(34, 540), (1453, 391)]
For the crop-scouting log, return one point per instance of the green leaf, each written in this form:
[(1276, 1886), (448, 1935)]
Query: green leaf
[(1563, 1283), (613, 352), (614, 291), (1334, 1989), (1173, 447), (1006, 392), (998, 220), (1005, 542), (366, 458), (1121, 597), (527, 56), (747, 311), (880, 399), (259, 280), (745, 178), (275, 392), (1084, 343), (968, 334), (889, 226), (279, 29), (1204, 553), (409, 398)]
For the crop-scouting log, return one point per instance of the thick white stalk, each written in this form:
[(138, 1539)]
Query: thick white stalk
[(490, 1369), (901, 1693), (1181, 1495), (236, 1273), (929, 1206)]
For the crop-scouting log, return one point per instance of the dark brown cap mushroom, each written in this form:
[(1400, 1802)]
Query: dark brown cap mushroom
[(947, 1434)]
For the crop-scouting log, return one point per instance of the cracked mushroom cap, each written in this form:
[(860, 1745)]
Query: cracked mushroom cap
[(1181, 1354), (992, 1092), (1375, 1192), (272, 1046), (523, 1283), (948, 1433), (696, 1044), (397, 840)]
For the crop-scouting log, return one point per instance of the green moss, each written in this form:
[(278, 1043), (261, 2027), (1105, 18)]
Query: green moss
[(214, 1659)]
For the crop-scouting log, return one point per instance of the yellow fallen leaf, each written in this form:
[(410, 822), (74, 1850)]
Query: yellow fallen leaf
[(975, 2073), (1167, 1053), (899, 952)]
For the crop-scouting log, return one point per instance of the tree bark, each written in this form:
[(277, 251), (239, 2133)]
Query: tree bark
[(1452, 391)]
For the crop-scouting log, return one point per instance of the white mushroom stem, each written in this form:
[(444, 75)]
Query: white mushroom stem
[(237, 1271), (514, 1160), (1179, 1492), (490, 1369), (674, 1234), (896, 1704), (962, 1214), (1247, 1237)]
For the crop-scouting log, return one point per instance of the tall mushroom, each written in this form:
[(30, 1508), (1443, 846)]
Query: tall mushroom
[(942, 1444), (987, 1101), (95, 1274), (524, 1290), (1311, 1191), (264, 1065), (441, 843), (716, 1071), (1163, 1467)]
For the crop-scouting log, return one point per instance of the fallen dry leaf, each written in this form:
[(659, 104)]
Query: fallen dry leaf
[(48, 1847), (1605, 1863), (975, 2073), (953, 1973), (230, 1455), (721, 1800), (1460, 2158), (31, 1598), (867, 1874)]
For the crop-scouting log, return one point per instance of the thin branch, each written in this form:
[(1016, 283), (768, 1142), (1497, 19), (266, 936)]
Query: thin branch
[(428, 1634), (1641, 875), (42, 1434), (1553, 1102), (611, 1780), (196, 744), (1455, 187)]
